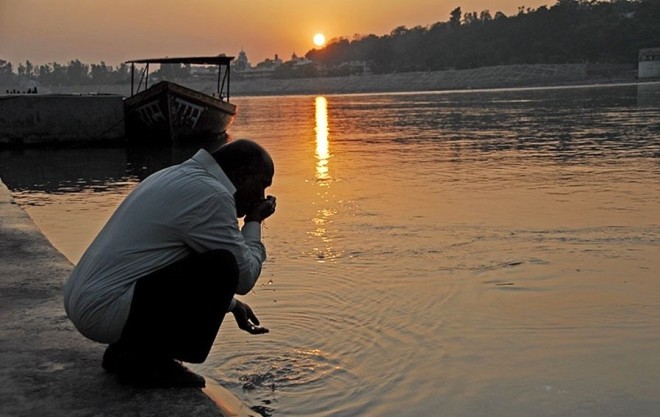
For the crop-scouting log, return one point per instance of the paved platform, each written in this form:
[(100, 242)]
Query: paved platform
[(46, 367)]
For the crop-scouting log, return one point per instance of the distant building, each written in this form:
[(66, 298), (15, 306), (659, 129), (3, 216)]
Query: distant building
[(204, 71), (649, 63), (299, 60), (264, 69), (269, 64), (242, 63), (269, 67)]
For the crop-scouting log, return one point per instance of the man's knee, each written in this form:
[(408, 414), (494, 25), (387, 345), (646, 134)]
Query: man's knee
[(223, 263)]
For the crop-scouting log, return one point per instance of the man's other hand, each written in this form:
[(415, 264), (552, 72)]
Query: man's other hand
[(246, 319), (262, 209)]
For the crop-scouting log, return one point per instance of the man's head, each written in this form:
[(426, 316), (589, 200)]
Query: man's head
[(249, 167)]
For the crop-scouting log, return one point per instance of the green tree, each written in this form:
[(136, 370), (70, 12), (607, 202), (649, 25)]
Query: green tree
[(455, 17), (26, 70), (6, 72), (100, 74), (121, 74), (485, 16), (173, 72), (77, 72)]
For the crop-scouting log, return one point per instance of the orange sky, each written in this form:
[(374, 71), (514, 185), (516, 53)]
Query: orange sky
[(44, 31)]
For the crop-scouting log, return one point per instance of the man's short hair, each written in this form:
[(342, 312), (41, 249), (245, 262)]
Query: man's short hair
[(243, 157)]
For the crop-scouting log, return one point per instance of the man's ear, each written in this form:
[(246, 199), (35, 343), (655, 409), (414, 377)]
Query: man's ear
[(236, 176)]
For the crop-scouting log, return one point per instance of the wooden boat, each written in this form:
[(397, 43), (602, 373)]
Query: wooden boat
[(171, 113)]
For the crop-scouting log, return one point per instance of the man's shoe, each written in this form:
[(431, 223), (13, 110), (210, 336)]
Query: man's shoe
[(159, 373)]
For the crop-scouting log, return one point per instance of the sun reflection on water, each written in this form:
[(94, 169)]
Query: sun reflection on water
[(323, 180), (322, 143)]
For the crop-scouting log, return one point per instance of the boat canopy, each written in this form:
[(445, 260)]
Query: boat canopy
[(197, 60), (222, 90)]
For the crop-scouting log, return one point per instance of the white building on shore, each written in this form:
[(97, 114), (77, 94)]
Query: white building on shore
[(649, 63)]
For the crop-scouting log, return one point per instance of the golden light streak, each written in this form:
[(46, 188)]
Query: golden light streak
[(322, 143)]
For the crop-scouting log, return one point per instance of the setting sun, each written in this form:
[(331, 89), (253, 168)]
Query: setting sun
[(319, 39)]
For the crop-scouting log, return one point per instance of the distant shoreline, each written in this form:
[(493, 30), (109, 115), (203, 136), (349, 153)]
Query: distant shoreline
[(510, 76), (503, 76)]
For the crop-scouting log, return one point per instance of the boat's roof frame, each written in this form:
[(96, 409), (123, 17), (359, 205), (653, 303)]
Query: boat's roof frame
[(219, 60), (197, 60)]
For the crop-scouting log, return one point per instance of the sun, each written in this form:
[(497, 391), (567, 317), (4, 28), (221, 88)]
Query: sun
[(319, 39)]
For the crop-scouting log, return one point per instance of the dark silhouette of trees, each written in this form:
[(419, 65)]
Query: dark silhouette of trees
[(77, 72), (6, 73), (173, 72), (571, 31), (54, 74), (455, 18)]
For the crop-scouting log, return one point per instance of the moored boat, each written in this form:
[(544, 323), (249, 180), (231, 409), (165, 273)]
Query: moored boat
[(167, 112)]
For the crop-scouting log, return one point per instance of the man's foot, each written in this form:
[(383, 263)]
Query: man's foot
[(111, 358), (144, 372)]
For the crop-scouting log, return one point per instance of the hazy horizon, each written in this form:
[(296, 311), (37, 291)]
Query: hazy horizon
[(44, 31)]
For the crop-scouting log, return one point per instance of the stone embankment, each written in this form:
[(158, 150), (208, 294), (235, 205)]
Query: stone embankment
[(46, 367), (61, 118)]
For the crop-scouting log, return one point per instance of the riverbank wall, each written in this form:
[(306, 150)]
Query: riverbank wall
[(33, 119), (46, 367)]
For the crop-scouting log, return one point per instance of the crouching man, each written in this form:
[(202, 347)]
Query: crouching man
[(157, 281)]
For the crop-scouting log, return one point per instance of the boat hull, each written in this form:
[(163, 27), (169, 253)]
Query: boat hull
[(171, 113)]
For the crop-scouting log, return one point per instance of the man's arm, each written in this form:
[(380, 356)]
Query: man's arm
[(213, 225)]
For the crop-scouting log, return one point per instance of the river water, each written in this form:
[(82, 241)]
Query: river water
[(482, 253)]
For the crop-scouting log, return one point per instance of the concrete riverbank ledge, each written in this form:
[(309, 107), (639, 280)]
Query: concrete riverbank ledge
[(31, 119), (46, 367)]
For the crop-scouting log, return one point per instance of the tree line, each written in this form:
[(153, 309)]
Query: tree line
[(79, 73), (571, 31), (53, 74)]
